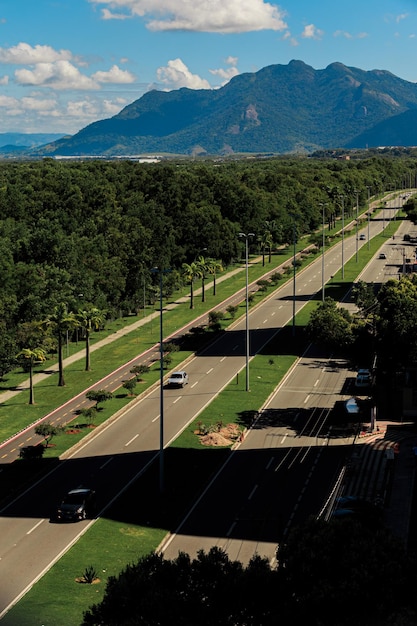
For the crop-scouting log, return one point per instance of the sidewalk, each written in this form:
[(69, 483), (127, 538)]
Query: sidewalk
[(384, 467)]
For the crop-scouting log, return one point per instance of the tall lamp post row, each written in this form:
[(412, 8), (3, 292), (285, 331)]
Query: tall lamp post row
[(246, 237), (161, 272)]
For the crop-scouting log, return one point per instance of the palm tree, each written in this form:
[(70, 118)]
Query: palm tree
[(89, 319), (190, 272), (61, 321), (213, 267), (37, 355), (202, 264)]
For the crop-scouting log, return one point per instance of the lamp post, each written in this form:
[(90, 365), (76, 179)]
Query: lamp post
[(161, 272), (343, 235), (369, 212), (246, 236), (322, 204), (357, 221), (293, 281)]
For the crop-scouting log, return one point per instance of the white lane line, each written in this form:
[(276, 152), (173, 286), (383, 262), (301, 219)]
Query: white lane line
[(155, 419), (283, 439), (106, 463), (176, 399), (306, 398), (271, 460), (252, 492), (210, 370), (131, 440), (316, 383), (223, 359), (194, 384), (35, 527)]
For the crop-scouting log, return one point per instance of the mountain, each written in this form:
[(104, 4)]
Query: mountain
[(19, 141), (279, 109)]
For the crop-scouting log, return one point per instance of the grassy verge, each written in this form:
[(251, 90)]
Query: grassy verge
[(127, 532)]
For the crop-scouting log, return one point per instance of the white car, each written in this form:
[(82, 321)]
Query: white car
[(178, 379)]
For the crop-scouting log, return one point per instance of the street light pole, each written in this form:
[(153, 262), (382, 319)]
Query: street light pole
[(357, 223), (293, 282), (246, 236), (369, 212), (343, 235), (322, 204), (161, 272)]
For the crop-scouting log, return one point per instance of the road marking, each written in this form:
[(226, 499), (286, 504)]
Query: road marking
[(229, 532), (283, 439), (271, 460), (252, 492), (306, 398), (223, 359), (176, 399), (194, 384), (106, 463), (35, 527), (155, 419), (316, 383), (235, 347), (210, 370), (131, 440)]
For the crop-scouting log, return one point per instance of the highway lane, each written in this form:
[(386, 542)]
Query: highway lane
[(280, 474), (118, 452)]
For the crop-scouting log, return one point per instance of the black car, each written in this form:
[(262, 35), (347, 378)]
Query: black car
[(78, 504)]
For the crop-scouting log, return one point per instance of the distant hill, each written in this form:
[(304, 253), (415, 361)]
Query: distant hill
[(279, 109), (13, 141)]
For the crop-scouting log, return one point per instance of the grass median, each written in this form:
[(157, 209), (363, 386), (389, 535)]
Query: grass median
[(125, 533)]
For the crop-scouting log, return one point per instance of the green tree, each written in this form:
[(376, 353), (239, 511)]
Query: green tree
[(330, 325), (89, 319), (138, 370), (190, 272), (202, 265), (61, 321), (32, 356), (214, 267), (98, 396), (130, 385), (48, 431), (88, 414)]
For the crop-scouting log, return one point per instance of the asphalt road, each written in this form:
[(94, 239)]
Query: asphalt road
[(112, 458)]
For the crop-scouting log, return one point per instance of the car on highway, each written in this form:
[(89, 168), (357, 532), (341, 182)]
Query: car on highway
[(362, 237), (76, 505), (363, 378), (178, 379), (382, 255)]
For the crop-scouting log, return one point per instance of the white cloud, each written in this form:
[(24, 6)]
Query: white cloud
[(30, 103), (402, 16), (4, 80), (24, 54), (233, 16), (108, 15), (312, 32), (176, 75), (228, 73), (346, 35), (58, 75), (288, 37), (114, 75)]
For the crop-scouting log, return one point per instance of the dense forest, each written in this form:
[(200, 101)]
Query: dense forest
[(89, 233)]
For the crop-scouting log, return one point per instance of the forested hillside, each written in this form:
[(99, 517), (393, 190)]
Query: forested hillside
[(88, 233)]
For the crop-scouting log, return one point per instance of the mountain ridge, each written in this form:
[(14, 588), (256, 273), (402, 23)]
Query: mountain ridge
[(278, 109)]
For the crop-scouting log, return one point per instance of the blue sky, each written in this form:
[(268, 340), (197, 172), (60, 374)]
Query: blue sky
[(67, 63)]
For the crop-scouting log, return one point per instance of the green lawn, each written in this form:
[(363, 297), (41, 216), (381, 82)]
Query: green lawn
[(123, 534)]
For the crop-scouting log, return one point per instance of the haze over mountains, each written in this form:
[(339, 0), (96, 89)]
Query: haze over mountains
[(279, 109)]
